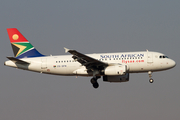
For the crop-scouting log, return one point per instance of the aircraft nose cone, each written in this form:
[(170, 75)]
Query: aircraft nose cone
[(173, 63)]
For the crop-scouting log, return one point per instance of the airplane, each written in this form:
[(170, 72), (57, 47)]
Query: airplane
[(112, 67)]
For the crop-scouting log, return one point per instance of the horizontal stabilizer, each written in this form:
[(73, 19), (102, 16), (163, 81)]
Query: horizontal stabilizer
[(15, 60)]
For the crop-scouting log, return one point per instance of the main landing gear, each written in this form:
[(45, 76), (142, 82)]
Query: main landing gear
[(94, 79), (150, 75), (94, 82)]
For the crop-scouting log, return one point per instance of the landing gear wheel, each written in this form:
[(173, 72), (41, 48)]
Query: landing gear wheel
[(94, 83), (93, 80), (151, 80)]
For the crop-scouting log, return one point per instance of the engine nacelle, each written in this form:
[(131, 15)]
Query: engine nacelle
[(121, 78), (115, 70)]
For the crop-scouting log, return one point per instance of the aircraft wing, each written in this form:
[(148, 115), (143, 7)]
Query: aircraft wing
[(85, 60)]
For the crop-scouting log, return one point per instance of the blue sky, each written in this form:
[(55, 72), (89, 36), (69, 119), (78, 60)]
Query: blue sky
[(90, 26)]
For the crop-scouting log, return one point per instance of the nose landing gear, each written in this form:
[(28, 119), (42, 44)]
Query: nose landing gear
[(150, 75)]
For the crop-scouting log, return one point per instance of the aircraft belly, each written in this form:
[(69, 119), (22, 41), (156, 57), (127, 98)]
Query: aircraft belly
[(139, 67), (35, 67), (134, 67)]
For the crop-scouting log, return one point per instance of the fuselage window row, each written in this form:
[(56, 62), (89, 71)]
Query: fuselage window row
[(65, 61), (101, 59)]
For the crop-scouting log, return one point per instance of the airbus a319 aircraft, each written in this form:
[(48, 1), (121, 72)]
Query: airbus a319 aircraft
[(112, 67)]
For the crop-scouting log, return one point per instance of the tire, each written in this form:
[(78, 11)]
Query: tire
[(95, 85), (151, 80)]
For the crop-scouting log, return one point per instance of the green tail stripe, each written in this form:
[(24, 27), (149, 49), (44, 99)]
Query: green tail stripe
[(26, 45)]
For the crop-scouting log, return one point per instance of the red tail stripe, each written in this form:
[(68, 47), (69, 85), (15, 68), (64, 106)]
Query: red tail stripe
[(15, 35)]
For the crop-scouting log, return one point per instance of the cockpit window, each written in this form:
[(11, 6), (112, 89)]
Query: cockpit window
[(163, 56)]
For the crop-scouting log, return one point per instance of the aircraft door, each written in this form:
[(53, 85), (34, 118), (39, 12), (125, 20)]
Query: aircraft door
[(149, 57), (43, 63)]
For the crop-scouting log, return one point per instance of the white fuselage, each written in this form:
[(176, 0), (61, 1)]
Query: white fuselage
[(142, 61)]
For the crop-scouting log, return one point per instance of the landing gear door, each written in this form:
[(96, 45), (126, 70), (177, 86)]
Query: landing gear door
[(149, 57), (43, 63)]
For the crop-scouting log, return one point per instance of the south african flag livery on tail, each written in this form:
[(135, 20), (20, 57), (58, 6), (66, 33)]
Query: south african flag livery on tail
[(21, 46)]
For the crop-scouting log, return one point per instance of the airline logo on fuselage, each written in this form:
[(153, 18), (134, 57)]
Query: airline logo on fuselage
[(122, 56)]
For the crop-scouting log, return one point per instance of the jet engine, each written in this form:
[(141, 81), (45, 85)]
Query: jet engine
[(120, 78), (115, 70)]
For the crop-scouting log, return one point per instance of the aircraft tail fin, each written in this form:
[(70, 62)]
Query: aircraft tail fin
[(20, 45)]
